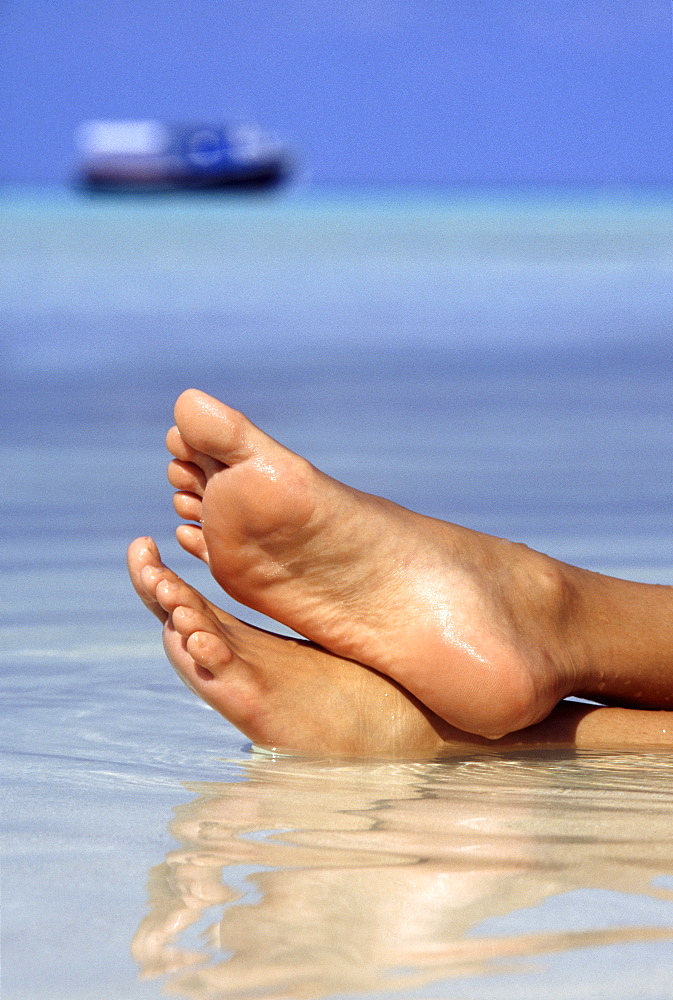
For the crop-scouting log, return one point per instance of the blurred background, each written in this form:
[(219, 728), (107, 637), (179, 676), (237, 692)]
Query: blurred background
[(461, 296), (365, 91)]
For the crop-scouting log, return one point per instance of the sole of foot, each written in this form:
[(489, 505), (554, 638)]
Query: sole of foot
[(283, 694), (477, 628)]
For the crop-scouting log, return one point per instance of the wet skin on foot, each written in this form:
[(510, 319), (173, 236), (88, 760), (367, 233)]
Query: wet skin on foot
[(282, 693), (294, 696), (477, 628)]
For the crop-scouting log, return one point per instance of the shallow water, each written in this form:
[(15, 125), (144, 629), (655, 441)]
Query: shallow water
[(501, 362)]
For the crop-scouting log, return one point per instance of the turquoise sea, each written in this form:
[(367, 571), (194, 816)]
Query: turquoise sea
[(497, 358)]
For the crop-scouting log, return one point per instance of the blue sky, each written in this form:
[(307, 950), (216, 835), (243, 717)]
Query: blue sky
[(365, 91)]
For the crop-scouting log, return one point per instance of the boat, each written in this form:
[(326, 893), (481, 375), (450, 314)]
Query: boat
[(148, 156)]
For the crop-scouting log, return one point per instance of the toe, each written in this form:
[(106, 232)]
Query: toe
[(179, 447), (186, 476), (209, 651), (187, 620), (145, 568), (188, 506), (190, 537), (211, 427), (141, 552), (174, 593), (186, 454)]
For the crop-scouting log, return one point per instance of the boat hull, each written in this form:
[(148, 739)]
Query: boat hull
[(261, 177), (151, 156)]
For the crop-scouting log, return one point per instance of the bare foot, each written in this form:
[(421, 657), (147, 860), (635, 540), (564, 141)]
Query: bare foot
[(474, 626), (282, 693), (291, 695)]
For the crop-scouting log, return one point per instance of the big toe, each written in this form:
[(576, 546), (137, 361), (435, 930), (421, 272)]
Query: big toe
[(142, 552), (145, 569), (211, 427)]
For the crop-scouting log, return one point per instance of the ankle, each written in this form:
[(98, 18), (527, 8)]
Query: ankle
[(550, 615)]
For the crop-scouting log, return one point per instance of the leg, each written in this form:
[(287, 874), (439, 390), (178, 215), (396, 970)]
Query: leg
[(293, 696), (488, 634)]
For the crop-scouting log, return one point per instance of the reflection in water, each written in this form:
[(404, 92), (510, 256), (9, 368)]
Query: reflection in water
[(359, 878)]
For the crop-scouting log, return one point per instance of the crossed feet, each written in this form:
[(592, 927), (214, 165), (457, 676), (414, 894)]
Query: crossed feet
[(474, 626), (416, 625)]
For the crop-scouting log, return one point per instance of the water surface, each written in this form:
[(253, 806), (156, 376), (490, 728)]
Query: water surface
[(500, 361)]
